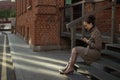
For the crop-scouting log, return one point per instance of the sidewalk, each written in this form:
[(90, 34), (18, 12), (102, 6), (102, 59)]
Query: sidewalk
[(31, 65)]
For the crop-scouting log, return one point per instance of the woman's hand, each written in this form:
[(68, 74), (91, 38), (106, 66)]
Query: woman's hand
[(85, 40)]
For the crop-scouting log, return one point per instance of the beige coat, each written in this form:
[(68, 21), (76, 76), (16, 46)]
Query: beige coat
[(93, 51)]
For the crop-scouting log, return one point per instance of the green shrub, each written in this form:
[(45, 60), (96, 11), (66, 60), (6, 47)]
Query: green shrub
[(7, 13)]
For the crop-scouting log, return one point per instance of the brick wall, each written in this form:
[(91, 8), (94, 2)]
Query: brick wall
[(40, 23), (48, 24), (25, 20), (103, 19)]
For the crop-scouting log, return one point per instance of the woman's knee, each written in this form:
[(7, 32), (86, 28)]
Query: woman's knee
[(74, 50)]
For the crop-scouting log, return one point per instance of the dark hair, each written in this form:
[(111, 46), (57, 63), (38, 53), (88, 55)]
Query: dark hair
[(90, 19)]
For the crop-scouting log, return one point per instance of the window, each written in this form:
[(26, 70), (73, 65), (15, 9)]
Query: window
[(67, 10), (76, 11), (68, 1)]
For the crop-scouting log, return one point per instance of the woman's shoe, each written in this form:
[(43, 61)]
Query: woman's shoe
[(67, 73), (76, 67), (62, 70)]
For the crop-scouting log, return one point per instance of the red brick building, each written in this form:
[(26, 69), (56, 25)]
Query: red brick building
[(39, 21), (7, 4)]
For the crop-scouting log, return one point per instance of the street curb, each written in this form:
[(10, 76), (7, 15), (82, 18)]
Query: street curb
[(18, 73)]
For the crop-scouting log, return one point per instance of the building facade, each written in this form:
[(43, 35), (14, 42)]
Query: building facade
[(39, 21)]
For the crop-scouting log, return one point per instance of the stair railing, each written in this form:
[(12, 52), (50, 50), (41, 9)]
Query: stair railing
[(73, 23)]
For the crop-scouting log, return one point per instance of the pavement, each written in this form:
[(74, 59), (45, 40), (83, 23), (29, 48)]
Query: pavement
[(31, 65)]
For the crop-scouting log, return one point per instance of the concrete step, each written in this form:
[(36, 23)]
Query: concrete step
[(109, 63), (113, 47), (95, 72), (76, 76), (111, 53)]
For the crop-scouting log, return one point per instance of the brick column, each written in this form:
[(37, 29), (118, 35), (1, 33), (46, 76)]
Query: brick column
[(47, 25)]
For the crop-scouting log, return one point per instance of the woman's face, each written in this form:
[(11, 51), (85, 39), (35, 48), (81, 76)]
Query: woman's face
[(86, 25)]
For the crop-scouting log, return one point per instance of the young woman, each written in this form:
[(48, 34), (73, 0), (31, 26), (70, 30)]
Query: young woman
[(90, 53)]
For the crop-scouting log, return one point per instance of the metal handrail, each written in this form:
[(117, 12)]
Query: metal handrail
[(72, 5), (77, 3), (72, 23)]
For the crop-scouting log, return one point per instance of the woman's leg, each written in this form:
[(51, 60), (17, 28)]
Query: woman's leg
[(72, 61), (75, 51), (73, 57)]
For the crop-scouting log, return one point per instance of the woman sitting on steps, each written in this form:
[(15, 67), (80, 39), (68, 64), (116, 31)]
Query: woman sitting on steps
[(90, 53)]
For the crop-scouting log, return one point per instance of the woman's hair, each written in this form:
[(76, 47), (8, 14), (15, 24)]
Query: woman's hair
[(90, 19)]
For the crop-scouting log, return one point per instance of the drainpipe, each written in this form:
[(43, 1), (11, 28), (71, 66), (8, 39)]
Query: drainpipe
[(113, 22)]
